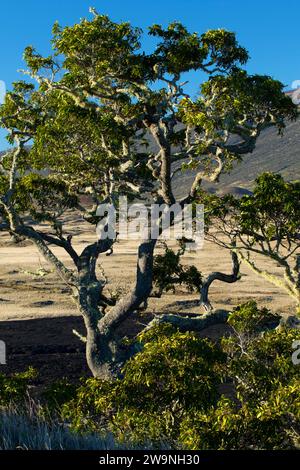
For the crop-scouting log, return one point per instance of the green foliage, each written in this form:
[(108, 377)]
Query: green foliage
[(170, 389), (174, 373), (59, 393), (169, 272), (87, 44), (180, 366), (274, 206), (259, 355), (271, 212), (271, 424), (23, 110), (267, 413), (226, 103), (44, 198), (240, 95), (224, 51), (14, 388), (249, 319), (262, 363), (180, 51)]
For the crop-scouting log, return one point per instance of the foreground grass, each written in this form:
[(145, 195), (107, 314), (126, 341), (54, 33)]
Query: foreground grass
[(29, 431)]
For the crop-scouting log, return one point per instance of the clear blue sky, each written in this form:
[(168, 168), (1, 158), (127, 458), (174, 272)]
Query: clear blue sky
[(268, 29)]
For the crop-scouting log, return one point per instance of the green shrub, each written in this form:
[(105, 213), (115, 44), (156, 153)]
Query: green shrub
[(58, 393), (266, 412), (271, 423), (257, 360), (248, 319), (14, 388), (172, 375), (170, 392)]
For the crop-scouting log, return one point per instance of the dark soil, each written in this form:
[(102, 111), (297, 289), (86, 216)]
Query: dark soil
[(51, 348), (48, 345)]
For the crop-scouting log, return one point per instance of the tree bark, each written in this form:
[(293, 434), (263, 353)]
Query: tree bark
[(139, 293), (105, 353), (218, 276), (197, 323)]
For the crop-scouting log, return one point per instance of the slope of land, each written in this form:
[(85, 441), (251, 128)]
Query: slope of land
[(278, 154)]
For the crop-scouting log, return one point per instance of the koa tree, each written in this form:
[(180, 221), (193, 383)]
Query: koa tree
[(84, 128)]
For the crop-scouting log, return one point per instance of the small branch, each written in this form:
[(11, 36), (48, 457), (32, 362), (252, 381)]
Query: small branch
[(286, 284), (62, 243), (82, 338), (28, 232)]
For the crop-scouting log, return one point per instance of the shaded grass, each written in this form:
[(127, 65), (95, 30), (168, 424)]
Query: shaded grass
[(27, 429)]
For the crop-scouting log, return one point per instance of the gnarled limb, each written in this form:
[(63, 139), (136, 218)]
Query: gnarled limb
[(218, 276), (104, 352), (139, 293), (66, 274), (61, 242), (196, 323)]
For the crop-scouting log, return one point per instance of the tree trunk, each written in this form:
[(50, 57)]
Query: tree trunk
[(105, 353)]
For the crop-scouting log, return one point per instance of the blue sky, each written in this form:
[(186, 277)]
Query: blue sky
[(268, 29)]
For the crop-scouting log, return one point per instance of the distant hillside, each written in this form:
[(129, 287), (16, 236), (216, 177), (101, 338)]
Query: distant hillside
[(272, 153)]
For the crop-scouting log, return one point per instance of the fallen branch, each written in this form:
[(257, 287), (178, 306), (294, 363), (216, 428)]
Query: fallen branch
[(198, 323)]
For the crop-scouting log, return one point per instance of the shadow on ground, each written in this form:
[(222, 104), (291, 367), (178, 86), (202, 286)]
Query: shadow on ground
[(48, 345)]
